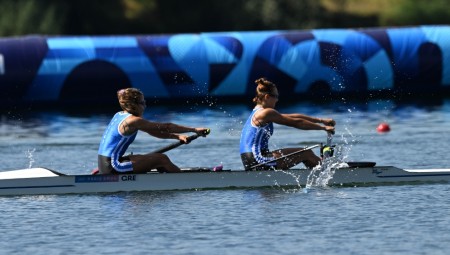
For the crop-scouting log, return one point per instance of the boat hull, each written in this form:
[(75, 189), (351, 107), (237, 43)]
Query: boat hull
[(44, 181)]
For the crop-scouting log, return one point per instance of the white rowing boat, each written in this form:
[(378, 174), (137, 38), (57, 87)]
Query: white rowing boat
[(36, 181)]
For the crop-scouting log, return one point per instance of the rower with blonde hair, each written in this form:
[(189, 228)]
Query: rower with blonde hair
[(122, 131)]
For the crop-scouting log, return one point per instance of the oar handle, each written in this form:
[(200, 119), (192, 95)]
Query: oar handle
[(174, 145), (329, 138)]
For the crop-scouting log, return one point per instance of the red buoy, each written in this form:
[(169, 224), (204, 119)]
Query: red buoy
[(383, 128)]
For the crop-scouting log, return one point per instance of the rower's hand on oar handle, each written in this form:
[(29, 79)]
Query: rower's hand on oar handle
[(184, 139), (198, 132), (202, 131), (328, 122), (329, 129)]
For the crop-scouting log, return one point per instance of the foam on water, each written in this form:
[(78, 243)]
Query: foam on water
[(30, 156)]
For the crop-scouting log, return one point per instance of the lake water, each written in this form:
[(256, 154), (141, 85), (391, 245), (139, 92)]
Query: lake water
[(407, 219)]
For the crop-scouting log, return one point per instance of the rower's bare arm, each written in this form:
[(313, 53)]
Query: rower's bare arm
[(303, 116), (152, 128), (272, 115), (165, 130), (156, 129), (325, 121)]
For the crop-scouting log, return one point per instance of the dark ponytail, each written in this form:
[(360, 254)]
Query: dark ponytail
[(263, 87)]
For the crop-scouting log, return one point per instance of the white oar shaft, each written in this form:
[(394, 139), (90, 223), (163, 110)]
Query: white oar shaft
[(287, 155)]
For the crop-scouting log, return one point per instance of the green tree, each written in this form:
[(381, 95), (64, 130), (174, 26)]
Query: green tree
[(30, 17), (218, 15), (94, 17), (416, 12), (99, 17)]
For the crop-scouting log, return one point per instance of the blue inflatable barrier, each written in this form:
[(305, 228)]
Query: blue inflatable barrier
[(322, 62)]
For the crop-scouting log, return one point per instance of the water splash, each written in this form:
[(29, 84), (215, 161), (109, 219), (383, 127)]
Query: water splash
[(323, 173), (30, 156), (297, 180)]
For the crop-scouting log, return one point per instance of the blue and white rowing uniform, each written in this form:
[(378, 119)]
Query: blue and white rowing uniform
[(254, 145), (113, 146)]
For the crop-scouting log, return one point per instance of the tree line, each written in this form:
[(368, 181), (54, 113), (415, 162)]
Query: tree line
[(100, 17)]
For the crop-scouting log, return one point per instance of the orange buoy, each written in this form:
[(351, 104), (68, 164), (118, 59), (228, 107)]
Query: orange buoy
[(383, 128)]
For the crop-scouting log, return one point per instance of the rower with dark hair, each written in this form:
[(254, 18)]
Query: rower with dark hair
[(122, 131), (254, 144)]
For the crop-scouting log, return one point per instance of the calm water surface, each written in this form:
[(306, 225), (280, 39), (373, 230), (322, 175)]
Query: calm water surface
[(408, 219)]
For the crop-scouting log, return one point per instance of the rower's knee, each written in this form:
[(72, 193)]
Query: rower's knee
[(164, 162), (164, 159)]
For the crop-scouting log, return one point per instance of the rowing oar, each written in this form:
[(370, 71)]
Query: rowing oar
[(170, 146), (329, 138), (287, 155), (327, 151), (174, 145)]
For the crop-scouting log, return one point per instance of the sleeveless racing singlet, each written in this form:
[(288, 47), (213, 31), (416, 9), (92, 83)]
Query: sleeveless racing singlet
[(255, 140), (114, 144)]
